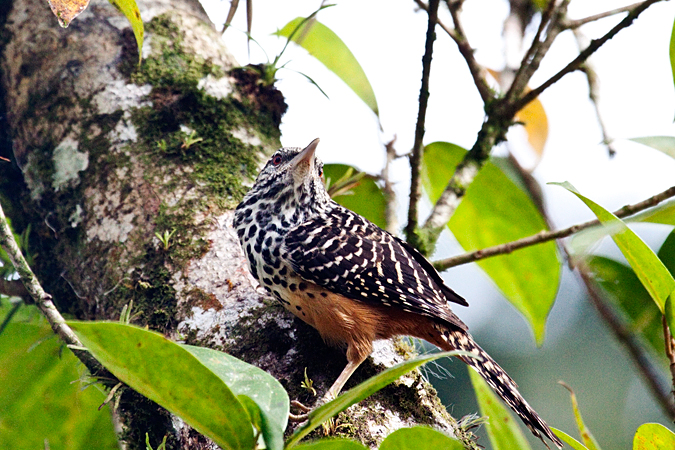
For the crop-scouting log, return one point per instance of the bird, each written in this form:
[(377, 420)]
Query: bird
[(352, 281)]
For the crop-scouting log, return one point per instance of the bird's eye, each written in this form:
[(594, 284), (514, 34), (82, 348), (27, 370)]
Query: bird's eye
[(320, 171), (276, 160)]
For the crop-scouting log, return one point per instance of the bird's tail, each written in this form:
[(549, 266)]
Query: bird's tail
[(500, 381)]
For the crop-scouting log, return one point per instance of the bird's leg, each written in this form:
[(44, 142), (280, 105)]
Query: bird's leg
[(341, 380), (354, 360)]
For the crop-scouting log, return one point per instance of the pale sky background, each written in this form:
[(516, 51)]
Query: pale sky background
[(387, 38)]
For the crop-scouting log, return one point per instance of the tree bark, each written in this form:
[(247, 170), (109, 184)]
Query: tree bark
[(128, 176)]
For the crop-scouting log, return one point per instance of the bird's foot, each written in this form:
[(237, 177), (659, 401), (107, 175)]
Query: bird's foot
[(299, 417)]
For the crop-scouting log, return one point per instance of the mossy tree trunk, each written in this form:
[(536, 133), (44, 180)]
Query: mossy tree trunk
[(108, 157)]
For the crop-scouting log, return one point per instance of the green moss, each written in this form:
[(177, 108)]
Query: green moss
[(169, 66)]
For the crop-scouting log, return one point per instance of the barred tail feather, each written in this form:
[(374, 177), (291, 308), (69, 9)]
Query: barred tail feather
[(500, 382)]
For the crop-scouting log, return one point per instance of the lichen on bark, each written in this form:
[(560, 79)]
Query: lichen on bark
[(170, 148)]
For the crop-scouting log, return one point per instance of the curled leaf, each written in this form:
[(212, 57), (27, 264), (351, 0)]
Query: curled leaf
[(66, 10)]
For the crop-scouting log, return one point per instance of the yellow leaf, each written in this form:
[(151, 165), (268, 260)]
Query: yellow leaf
[(534, 119), (130, 10), (536, 125), (67, 10)]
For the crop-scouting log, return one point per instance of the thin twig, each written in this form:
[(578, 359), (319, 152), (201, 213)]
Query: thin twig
[(41, 298), (416, 158), (594, 92), (391, 220), (478, 72), (622, 332), (573, 24), (545, 236), (583, 56), (529, 55), (670, 350)]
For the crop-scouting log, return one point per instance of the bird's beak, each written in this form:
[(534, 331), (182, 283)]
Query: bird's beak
[(304, 161)]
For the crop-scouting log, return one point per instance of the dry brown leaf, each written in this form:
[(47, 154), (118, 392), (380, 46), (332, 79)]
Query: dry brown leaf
[(67, 10)]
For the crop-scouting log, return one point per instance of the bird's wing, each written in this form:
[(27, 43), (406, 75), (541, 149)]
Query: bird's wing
[(348, 255)]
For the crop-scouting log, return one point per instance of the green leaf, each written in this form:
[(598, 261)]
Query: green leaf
[(664, 213), (495, 211), (332, 444), (419, 438), (653, 436), (672, 52), (271, 433), (244, 379), (586, 436), (321, 414), (41, 401), (365, 197), (631, 298), (670, 312), (584, 241), (569, 440), (328, 48), (130, 10), (171, 376), (665, 144), (502, 429), (647, 266)]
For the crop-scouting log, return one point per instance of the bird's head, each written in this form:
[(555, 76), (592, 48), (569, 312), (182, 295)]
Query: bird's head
[(293, 175)]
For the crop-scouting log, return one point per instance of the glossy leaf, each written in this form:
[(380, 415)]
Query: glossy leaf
[(667, 256), (625, 290), (672, 52), (171, 376), (419, 438), (332, 444), (663, 213), (647, 266), (244, 379), (535, 122), (495, 211), (569, 440), (653, 436), (321, 414), (322, 43), (586, 436), (130, 10), (665, 144), (584, 241), (66, 10), (365, 197), (502, 428), (41, 402)]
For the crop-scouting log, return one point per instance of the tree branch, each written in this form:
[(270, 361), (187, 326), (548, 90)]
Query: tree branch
[(418, 148), (594, 93), (478, 72), (579, 60), (535, 53), (41, 298), (630, 341), (545, 236), (573, 24)]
